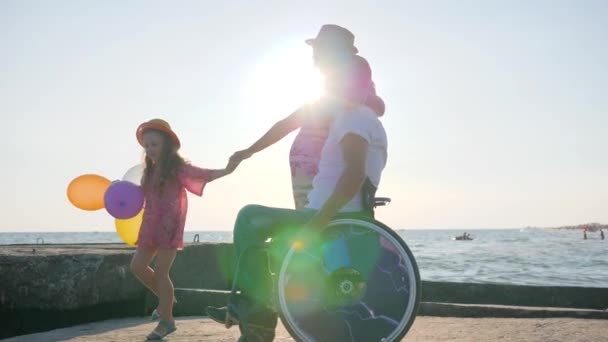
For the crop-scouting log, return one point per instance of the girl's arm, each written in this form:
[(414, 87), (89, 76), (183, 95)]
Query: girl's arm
[(277, 132), (219, 173), (194, 178)]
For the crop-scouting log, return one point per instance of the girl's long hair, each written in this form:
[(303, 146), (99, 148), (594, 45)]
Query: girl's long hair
[(168, 164), (353, 80), (375, 102)]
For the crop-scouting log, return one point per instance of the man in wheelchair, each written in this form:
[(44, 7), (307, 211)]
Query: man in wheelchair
[(350, 168)]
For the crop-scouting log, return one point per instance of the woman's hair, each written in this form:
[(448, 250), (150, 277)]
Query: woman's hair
[(375, 102), (170, 161), (353, 81)]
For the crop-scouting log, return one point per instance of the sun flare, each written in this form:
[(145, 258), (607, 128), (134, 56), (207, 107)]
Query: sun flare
[(286, 77)]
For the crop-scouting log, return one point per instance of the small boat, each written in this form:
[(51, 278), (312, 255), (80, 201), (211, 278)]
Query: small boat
[(462, 238)]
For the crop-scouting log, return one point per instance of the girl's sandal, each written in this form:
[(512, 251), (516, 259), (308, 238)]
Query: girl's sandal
[(169, 328), (155, 315)]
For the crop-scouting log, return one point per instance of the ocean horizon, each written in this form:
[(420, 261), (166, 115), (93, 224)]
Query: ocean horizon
[(526, 256)]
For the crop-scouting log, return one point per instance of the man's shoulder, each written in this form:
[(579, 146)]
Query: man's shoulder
[(362, 121), (364, 111)]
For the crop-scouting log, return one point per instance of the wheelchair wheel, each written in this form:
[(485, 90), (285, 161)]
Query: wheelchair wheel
[(361, 283)]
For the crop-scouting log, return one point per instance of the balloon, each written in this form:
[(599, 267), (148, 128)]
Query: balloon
[(134, 174), (128, 229), (123, 199), (86, 192)]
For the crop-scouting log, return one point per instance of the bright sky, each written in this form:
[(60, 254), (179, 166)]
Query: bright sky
[(497, 111)]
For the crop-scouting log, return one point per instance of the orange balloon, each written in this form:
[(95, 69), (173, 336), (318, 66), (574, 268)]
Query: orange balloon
[(86, 191)]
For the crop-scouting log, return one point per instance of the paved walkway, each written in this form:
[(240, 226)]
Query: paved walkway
[(425, 329)]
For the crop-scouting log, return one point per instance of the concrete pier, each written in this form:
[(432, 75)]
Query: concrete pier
[(45, 287)]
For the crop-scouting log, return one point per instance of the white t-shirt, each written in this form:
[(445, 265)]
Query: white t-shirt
[(363, 122)]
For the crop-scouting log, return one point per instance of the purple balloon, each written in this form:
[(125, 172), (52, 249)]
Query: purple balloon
[(123, 199)]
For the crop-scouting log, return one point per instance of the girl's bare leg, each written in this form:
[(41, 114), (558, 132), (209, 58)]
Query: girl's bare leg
[(164, 261), (140, 266)]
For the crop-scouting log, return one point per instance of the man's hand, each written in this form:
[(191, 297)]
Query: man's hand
[(310, 235), (317, 222), (306, 238)]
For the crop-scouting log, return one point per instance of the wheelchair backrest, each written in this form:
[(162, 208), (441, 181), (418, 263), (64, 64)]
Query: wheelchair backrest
[(369, 199), (368, 193)]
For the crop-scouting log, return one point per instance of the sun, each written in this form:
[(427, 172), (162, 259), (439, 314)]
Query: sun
[(285, 77)]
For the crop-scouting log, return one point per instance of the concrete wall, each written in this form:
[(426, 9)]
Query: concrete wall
[(50, 286), (199, 268), (518, 295)]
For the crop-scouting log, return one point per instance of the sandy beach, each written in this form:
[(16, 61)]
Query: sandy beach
[(425, 329)]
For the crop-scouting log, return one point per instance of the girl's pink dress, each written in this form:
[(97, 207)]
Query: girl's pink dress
[(165, 211)]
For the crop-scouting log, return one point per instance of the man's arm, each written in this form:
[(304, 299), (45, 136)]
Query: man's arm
[(354, 150)]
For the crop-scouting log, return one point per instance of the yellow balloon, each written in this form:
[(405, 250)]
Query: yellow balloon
[(86, 192), (128, 229)]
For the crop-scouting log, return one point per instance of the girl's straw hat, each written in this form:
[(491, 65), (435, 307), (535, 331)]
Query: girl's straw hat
[(158, 125)]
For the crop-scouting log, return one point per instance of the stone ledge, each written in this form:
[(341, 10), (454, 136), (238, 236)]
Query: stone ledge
[(64, 282), (48, 286), (517, 295), (192, 302), (503, 311), (65, 277)]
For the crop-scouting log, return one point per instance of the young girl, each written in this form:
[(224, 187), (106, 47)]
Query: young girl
[(166, 178)]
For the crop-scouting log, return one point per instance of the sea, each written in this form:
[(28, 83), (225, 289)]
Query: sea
[(529, 256)]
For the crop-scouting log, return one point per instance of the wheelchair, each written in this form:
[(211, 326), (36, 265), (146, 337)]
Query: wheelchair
[(360, 283)]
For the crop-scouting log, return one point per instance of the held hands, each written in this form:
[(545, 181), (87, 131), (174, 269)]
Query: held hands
[(235, 159), (230, 167), (238, 156)]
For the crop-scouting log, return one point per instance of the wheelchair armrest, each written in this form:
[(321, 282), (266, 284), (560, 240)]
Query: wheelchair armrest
[(380, 201)]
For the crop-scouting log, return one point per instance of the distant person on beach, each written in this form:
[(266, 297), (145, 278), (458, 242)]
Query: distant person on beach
[(585, 234), (333, 50), (166, 178), (352, 160), (602, 234)]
